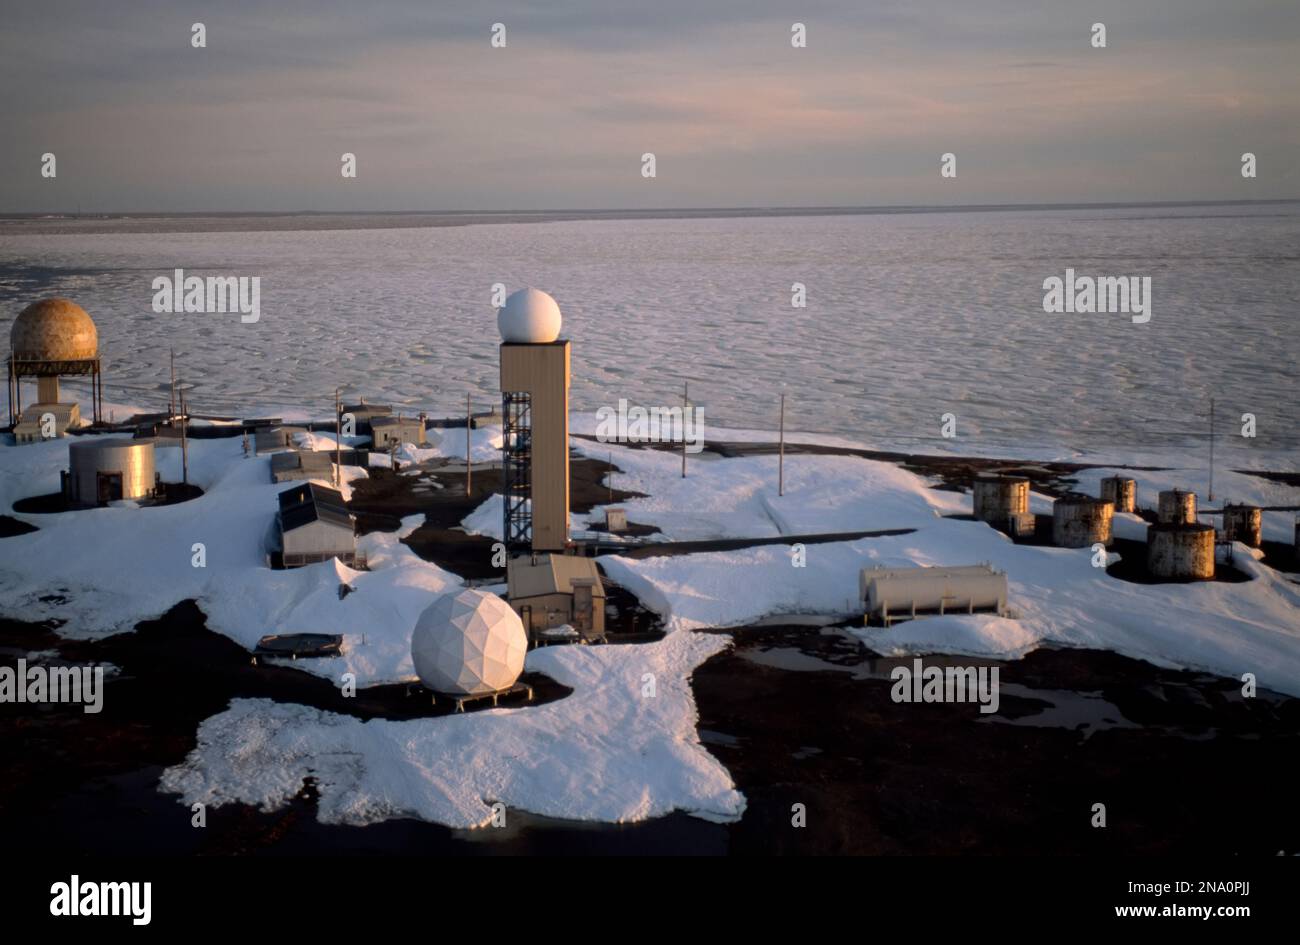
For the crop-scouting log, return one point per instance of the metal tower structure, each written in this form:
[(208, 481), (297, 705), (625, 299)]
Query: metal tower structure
[(516, 469)]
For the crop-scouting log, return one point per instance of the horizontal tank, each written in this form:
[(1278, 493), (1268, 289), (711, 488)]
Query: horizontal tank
[(1121, 491), (1176, 507), (105, 469), (897, 592), (1081, 522), (1243, 523), (1181, 551)]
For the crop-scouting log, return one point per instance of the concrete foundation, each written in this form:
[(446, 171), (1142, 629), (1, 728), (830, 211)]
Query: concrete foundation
[(1080, 522), (1181, 552), (1177, 507), (1121, 491), (1243, 523)]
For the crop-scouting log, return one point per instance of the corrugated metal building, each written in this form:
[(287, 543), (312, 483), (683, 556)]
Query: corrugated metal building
[(107, 469), (548, 591), (315, 525)]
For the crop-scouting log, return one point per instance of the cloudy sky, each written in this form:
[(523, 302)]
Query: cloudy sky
[(439, 120)]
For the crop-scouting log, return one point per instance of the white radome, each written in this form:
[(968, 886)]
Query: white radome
[(529, 317), (468, 643)]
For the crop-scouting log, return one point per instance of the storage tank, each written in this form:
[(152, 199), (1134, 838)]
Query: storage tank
[(1181, 551), (105, 469), (997, 497), (1120, 491), (1080, 522), (1243, 523), (1003, 502), (892, 593), (1176, 507)]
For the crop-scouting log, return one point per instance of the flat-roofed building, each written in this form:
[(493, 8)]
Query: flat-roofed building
[(363, 414), (293, 465), (274, 439), (38, 420), (389, 431)]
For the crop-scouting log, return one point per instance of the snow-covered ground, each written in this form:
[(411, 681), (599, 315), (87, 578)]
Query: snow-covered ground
[(615, 750), (1060, 598), (113, 567), (607, 752)]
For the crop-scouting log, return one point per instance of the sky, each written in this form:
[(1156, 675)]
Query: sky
[(139, 120)]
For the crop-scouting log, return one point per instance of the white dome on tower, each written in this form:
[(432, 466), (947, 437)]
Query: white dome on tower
[(468, 643), (530, 316)]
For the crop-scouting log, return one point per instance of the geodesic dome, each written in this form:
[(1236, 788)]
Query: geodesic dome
[(55, 329), (468, 643)]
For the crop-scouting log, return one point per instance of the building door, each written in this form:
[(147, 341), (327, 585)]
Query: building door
[(108, 487), (582, 606)]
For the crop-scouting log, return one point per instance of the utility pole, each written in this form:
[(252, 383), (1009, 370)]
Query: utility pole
[(338, 435), (780, 461), (610, 479), (171, 393), (1211, 449), (469, 462), (185, 447), (686, 399)]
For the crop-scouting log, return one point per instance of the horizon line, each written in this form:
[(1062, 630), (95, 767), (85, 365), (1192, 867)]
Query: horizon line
[(641, 211)]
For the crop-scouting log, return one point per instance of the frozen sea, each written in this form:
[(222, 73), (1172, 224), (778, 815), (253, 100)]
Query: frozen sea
[(909, 316)]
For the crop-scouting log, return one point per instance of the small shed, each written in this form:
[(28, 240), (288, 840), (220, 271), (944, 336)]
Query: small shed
[(295, 465), (387, 431), (615, 520), (31, 429), (275, 439), (363, 414), (549, 591), (315, 525), (487, 418)]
